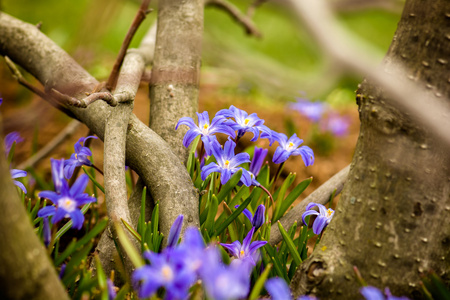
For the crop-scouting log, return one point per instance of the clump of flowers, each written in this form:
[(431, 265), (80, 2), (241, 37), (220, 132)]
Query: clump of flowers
[(66, 200)]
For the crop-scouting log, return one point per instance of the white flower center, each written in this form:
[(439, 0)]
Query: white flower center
[(290, 146), (227, 164), (205, 129), (167, 273), (67, 204)]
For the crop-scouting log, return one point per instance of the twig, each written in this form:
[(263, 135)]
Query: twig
[(252, 8), (55, 142), (237, 15), (356, 56), (85, 102), (140, 16), (320, 195), (21, 80)]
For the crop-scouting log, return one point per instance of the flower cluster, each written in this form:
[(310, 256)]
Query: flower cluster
[(315, 111), (179, 266), (67, 200), (235, 122)]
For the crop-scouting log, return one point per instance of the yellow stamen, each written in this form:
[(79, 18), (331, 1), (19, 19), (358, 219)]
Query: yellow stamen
[(227, 163), (246, 121), (242, 253), (291, 144), (205, 126), (167, 273)]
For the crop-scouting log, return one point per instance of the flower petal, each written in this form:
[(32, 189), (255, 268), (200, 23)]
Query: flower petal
[(79, 186), (174, 233), (20, 185), (46, 211), (77, 219)]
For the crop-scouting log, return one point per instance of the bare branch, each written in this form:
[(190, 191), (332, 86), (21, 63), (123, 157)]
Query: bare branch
[(69, 130), (237, 15), (85, 102), (140, 16), (428, 107), (320, 195)]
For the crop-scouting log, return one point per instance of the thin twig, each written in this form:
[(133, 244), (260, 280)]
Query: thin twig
[(70, 129), (140, 16), (320, 195), (21, 80), (85, 102), (237, 15)]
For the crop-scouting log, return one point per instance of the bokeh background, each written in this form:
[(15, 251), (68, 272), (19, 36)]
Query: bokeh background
[(262, 75)]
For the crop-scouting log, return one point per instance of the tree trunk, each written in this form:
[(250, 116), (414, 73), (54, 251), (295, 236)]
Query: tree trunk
[(26, 271), (392, 221)]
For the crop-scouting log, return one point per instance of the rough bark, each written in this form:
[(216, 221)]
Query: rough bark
[(146, 152), (175, 78), (392, 220), (26, 271)]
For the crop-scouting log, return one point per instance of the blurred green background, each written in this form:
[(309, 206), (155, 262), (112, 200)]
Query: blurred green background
[(277, 66)]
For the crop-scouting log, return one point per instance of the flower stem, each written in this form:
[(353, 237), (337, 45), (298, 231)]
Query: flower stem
[(98, 170), (268, 193), (280, 167)]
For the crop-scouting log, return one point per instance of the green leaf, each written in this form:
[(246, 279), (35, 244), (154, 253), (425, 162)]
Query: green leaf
[(290, 245), (75, 262), (93, 180), (121, 295), (131, 230), (229, 186), (101, 277), (280, 198), (191, 159), (141, 221), (293, 195), (212, 211), (279, 270), (257, 288), (233, 216), (436, 287), (132, 253)]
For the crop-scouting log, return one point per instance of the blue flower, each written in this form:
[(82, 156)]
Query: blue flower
[(79, 158), (247, 250), (336, 124), (279, 290), (111, 289), (227, 162), (243, 122), (194, 246), (259, 218), (10, 138), (46, 232), (67, 200), (311, 110), (166, 270), (258, 160), (291, 147), (204, 128), (224, 282), (372, 293), (323, 218), (174, 233), (17, 174)]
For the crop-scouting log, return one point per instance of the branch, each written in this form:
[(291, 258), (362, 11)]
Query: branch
[(69, 130), (427, 106), (140, 16), (237, 15), (146, 152), (320, 195)]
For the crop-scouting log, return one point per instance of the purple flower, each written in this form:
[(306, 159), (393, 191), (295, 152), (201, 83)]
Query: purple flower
[(246, 250), (166, 270), (279, 290), (46, 232), (258, 219), (311, 110), (336, 124), (258, 160), (79, 158), (174, 233), (10, 138), (224, 282), (227, 162), (67, 200), (323, 218), (111, 289), (17, 174), (291, 147), (243, 122), (194, 246), (372, 293), (204, 128)]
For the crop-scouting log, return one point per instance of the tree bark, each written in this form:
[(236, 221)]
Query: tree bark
[(26, 271), (392, 221), (175, 78)]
